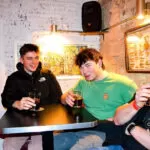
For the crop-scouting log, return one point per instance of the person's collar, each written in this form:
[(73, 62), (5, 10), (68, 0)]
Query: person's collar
[(29, 72)]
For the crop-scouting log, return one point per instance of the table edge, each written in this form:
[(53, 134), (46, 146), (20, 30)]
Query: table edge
[(36, 129)]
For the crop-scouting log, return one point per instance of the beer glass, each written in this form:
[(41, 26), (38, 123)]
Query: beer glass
[(78, 99)]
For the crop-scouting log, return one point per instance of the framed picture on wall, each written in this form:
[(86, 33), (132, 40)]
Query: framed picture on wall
[(62, 64), (137, 49)]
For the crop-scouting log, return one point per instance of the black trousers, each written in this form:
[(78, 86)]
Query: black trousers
[(115, 135)]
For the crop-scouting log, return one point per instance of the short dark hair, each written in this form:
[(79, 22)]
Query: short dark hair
[(88, 54), (28, 48)]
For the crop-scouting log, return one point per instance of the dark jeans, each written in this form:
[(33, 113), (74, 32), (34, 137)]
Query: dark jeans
[(111, 147), (87, 138)]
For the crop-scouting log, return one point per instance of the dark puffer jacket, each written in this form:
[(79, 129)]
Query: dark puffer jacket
[(20, 83)]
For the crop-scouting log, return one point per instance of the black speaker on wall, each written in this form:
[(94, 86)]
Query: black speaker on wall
[(91, 16)]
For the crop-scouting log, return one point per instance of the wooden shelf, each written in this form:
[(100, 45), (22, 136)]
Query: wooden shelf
[(83, 33), (92, 33)]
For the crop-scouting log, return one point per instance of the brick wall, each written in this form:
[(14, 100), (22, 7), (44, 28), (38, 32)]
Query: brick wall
[(113, 47)]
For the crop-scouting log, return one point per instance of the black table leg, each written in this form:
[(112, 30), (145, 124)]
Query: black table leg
[(47, 140)]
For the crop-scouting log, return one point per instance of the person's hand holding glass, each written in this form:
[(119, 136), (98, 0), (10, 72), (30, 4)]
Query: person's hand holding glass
[(35, 95), (143, 95), (26, 103), (74, 99)]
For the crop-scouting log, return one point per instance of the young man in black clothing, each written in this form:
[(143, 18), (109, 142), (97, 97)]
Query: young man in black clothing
[(135, 117), (30, 76)]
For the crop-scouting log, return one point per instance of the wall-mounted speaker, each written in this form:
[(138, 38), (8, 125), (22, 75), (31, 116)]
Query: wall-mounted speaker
[(91, 16)]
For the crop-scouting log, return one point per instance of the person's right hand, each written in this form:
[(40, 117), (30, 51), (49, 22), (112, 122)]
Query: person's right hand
[(70, 98), (25, 103), (142, 95)]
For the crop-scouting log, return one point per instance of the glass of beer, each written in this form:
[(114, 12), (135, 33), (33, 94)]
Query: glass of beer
[(78, 99), (36, 96)]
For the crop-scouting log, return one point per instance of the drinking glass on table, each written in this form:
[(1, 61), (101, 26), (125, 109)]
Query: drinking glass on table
[(78, 99), (36, 96)]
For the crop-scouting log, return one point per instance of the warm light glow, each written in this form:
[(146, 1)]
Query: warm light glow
[(146, 19), (140, 16), (51, 43), (133, 39)]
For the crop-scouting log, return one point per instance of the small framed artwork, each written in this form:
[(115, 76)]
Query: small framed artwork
[(62, 64), (137, 49)]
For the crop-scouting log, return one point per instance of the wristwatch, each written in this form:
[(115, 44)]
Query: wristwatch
[(129, 128)]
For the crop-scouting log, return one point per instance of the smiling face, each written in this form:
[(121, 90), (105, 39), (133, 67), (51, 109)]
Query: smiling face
[(30, 61), (91, 70)]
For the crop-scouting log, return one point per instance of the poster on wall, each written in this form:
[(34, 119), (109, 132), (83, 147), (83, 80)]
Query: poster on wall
[(62, 64), (137, 44)]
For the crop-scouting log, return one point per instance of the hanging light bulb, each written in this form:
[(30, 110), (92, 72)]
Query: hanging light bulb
[(140, 9)]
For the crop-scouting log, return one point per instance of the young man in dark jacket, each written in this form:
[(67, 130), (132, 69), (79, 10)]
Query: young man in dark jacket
[(30, 76)]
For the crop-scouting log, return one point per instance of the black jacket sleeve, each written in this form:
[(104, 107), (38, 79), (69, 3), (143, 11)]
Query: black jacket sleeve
[(9, 94)]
